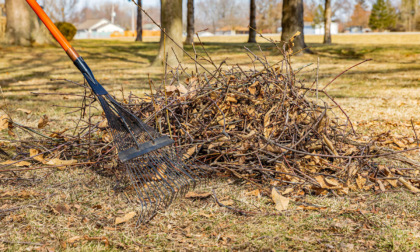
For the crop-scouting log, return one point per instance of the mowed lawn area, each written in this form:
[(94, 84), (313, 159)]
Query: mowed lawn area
[(380, 95)]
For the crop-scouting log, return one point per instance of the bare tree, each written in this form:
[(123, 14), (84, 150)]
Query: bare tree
[(171, 21), (221, 13), (139, 22), (60, 10), (190, 22), (292, 22), (23, 26), (327, 22), (269, 15), (252, 22)]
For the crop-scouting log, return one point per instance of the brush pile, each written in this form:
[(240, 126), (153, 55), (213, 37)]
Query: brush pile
[(261, 125), (266, 127)]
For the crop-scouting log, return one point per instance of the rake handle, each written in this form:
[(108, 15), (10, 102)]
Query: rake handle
[(71, 52)]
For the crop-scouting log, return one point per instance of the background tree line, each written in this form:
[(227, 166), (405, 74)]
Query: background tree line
[(266, 16)]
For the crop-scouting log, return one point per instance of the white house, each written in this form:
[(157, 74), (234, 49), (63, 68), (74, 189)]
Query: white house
[(97, 28), (318, 29)]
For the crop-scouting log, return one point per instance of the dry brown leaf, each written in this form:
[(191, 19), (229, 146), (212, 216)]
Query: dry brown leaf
[(4, 122), (360, 181), (320, 180), (125, 218), (11, 133), (190, 152), (103, 124), (24, 111), (256, 192), (19, 164), (43, 122), (408, 185), (182, 89), (287, 191), (329, 144), (228, 202), (192, 195), (282, 203), (40, 158), (393, 183), (75, 239), (59, 162)]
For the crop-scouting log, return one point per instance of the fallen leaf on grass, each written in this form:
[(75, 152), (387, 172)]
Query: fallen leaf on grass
[(24, 111), (227, 202), (125, 218), (281, 202), (254, 193), (63, 209), (75, 239), (19, 164), (43, 122), (192, 195)]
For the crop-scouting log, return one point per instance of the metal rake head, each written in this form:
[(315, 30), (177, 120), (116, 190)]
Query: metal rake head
[(156, 171)]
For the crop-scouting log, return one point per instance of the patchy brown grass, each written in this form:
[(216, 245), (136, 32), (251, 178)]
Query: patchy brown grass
[(47, 208)]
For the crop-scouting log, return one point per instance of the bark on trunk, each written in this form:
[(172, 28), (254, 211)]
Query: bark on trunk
[(292, 21), (139, 22), (23, 26), (190, 22), (252, 22), (171, 21), (327, 22)]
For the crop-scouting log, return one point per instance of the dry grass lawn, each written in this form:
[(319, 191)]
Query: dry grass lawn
[(75, 208)]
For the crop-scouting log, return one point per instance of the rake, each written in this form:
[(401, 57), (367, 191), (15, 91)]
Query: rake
[(157, 172)]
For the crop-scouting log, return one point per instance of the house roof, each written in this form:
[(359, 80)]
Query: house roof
[(103, 25), (89, 24)]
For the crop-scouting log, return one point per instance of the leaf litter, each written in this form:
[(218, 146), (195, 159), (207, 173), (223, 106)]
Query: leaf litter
[(262, 125)]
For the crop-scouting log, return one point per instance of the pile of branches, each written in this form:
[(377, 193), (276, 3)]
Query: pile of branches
[(261, 125), (268, 128)]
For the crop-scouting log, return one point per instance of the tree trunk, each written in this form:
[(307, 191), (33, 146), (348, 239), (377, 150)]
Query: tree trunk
[(23, 26), (327, 22), (139, 22), (190, 22), (292, 22), (252, 22), (171, 21)]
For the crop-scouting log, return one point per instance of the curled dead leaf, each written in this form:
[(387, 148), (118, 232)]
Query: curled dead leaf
[(125, 218), (24, 111), (19, 164)]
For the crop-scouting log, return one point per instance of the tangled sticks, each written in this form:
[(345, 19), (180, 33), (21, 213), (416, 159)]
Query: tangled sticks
[(263, 127)]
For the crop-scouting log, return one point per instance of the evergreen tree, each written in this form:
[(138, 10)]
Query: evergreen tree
[(383, 15)]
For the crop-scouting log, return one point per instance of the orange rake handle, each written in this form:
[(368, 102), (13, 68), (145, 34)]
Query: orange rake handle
[(71, 52)]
